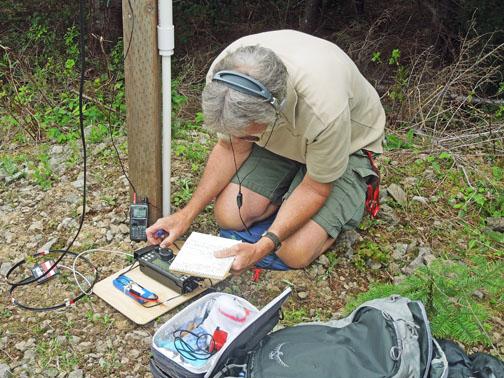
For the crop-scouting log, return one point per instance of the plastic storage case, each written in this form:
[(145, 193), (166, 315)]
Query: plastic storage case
[(166, 363)]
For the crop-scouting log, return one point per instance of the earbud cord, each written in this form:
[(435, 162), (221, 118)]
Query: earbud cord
[(239, 196)]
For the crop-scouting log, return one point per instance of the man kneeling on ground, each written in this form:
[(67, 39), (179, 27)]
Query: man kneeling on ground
[(297, 124)]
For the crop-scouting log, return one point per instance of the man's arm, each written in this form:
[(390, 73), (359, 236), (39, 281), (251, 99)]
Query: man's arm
[(218, 172), (304, 202)]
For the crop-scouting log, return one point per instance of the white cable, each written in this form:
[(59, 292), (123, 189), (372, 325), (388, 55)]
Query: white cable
[(75, 272)]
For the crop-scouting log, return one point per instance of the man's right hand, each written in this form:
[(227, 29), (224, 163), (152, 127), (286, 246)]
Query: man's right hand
[(173, 226)]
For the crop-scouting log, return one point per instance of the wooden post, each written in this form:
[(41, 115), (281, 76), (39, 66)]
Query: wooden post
[(143, 101)]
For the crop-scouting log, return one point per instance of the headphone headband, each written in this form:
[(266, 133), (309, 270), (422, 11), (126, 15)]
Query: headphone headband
[(245, 84)]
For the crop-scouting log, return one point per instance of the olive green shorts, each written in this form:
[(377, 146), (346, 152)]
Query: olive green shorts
[(276, 177)]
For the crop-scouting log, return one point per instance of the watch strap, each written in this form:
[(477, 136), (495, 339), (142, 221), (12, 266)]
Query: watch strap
[(275, 239)]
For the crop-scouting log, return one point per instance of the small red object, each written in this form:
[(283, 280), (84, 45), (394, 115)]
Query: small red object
[(373, 200), (256, 274), (219, 337), (373, 189)]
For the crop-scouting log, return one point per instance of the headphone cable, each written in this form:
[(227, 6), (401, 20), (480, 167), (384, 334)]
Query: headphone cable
[(239, 196)]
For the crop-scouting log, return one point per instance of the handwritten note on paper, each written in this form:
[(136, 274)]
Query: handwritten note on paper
[(196, 257)]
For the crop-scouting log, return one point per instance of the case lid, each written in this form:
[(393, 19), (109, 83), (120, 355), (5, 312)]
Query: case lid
[(258, 324)]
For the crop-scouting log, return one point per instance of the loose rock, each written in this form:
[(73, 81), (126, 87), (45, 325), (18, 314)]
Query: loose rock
[(374, 265), (302, 295), (425, 256), (410, 181), (36, 226), (422, 200), (5, 268), (495, 224), (24, 345), (399, 251), (345, 242), (388, 214), (51, 372), (29, 355), (478, 294), (78, 373), (323, 260), (398, 194), (5, 371)]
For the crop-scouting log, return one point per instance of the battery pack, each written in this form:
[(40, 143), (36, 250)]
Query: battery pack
[(127, 286), (38, 270)]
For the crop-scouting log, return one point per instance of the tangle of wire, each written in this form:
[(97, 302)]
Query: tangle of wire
[(189, 352)]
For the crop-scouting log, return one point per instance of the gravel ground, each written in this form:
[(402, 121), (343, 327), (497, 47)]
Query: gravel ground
[(91, 339)]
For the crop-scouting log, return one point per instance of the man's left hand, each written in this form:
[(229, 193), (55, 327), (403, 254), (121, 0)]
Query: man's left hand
[(246, 255)]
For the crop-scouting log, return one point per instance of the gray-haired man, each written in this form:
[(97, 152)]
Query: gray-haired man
[(293, 167)]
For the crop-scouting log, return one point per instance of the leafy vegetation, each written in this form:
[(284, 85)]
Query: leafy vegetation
[(294, 316), (370, 251), (438, 133), (462, 289), (52, 352), (448, 290)]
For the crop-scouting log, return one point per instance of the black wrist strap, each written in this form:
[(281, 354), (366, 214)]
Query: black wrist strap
[(275, 239)]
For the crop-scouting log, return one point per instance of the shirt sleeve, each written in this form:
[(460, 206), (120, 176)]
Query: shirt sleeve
[(327, 152)]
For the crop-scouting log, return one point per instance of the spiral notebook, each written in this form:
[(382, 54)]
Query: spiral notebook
[(196, 257)]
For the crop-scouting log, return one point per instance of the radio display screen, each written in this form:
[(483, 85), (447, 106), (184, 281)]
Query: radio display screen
[(164, 265), (139, 212)]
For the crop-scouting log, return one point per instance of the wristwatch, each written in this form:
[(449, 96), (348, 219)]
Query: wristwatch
[(275, 239)]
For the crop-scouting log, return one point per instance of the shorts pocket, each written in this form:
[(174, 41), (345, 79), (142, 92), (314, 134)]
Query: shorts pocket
[(366, 174)]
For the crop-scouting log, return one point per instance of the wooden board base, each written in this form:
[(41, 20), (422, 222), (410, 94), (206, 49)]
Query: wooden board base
[(133, 310)]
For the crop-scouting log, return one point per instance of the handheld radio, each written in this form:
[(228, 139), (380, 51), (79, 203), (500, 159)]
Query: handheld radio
[(139, 216)]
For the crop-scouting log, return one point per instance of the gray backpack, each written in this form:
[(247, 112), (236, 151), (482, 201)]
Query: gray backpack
[(387, 337)]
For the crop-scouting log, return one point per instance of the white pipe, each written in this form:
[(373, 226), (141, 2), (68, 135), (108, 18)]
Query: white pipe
[(166, 44)]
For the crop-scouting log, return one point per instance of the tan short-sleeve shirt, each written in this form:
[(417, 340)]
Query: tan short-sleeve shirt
[(331, 110)]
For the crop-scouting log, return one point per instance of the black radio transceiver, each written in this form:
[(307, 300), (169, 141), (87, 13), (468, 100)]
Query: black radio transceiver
[(139, 215), (155, 263)]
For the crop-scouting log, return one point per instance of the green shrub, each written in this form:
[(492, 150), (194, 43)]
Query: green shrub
[(447, 289)]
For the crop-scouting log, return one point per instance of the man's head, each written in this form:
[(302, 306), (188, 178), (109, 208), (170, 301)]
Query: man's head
[(232, 112)]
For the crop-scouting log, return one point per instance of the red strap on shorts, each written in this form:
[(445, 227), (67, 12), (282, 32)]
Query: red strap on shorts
[(373, 189)]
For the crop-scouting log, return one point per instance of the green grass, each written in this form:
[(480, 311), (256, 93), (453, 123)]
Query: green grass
[(294, 316), (369, 250), (52, 354), (184, 192), (447, 290)]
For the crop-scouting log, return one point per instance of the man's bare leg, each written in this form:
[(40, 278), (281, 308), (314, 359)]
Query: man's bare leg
[(297, 251), (305, 245), (255, 207)]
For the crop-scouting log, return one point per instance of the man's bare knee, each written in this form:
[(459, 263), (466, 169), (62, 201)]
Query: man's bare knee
[(301, 262), (254, 208), (224, 212), (301, 249), (295, 257)]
